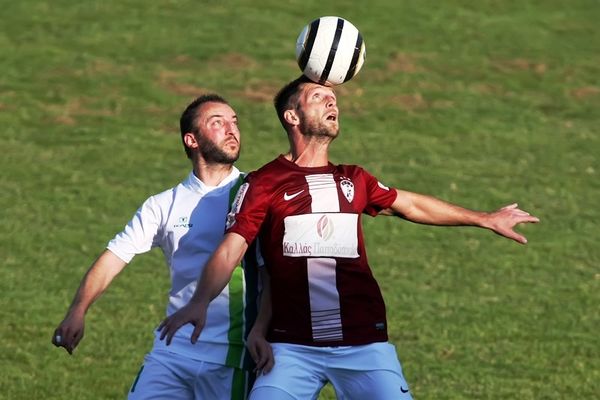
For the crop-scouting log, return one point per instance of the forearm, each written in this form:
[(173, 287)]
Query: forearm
[(96, 280), (263, 318), (429, 210), (218, 269)]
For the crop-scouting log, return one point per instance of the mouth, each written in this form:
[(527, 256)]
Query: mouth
[(232, 143), (331, 117)]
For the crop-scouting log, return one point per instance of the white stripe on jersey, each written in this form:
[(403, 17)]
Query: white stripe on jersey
[(324, 296), (324, 299), (324, 193)]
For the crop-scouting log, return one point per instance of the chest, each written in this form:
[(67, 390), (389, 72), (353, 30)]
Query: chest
[(197, 218), (318, 193)]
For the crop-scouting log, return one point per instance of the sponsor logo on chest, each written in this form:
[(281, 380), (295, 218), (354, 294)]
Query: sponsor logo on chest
[(182, 222), (321, 235)]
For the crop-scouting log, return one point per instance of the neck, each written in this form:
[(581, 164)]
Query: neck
[(309, 151), (211, 174)]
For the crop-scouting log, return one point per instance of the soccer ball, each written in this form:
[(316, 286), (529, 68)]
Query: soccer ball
[(330, 51)]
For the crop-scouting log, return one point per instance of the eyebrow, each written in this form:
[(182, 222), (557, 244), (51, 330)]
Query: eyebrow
[(219, 116), (332, 93)]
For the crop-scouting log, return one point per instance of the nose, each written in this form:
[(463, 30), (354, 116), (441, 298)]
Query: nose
[(232, 128), (331, 102)]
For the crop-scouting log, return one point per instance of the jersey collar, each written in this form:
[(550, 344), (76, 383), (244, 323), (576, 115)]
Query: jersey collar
[(193, 183)]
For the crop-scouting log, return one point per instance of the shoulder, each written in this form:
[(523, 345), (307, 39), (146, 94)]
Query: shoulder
[(352, 170), (163, 199), (267, 172)]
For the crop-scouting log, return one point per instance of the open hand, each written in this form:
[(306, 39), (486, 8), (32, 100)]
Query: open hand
[(505, 219), (192, 313)]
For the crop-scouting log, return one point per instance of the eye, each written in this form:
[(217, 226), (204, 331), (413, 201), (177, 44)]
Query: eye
[(217, 123)]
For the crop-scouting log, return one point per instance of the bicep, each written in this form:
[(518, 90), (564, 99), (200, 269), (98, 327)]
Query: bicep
[(107, 266), (232, 248), (402, 205)]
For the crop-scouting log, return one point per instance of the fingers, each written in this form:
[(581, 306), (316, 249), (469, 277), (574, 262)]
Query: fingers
[(260, 360), (168, 328), (517, 237), (170, 325), (76, 339), (262, 354), (507, 218), (268, 360), (253, 353), (57, 338), (269, 365), (510, 206), (196, 333), (67, 339), (162, 324), (531, 219)]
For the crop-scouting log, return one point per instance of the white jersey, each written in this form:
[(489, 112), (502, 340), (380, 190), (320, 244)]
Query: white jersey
[(188, 222)]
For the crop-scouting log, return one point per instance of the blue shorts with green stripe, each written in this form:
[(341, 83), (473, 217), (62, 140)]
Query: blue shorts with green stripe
[(167, 375)]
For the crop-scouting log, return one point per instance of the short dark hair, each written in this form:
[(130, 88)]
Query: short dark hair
[(188, 120), (287, 97)]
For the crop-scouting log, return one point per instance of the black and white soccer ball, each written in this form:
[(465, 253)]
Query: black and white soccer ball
[(330, 51)]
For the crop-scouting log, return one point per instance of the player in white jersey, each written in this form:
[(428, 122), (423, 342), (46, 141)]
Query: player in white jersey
[(187, 222), (327, 320)]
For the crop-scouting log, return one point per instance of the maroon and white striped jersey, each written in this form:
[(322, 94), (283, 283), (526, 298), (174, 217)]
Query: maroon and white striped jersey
[(309, 223)]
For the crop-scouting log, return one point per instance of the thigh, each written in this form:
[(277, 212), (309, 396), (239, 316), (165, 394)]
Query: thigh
[(159, 380), (297, 374), (372, 385), (368, 372), (270, 393), (218, 382)]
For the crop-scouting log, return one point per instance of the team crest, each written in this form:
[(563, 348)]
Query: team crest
[(347, 189)]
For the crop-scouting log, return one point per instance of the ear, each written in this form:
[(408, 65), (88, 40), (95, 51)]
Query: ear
[(291, 117), (190, 141)]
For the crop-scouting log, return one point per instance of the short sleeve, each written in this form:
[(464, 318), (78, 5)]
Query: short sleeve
[(379, 196), (140, 234), (249, 208)]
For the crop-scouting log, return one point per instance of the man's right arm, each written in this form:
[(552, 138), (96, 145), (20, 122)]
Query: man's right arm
[(260, 350), (214, 278), (69, 332)]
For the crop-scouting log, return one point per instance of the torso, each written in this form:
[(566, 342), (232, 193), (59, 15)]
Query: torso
[(323, 291)]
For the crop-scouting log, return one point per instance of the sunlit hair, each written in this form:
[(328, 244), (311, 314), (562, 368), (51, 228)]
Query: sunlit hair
[(188, 123), (287, 97)]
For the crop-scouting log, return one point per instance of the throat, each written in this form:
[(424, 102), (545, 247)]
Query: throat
[(212, 174), (308, 159)]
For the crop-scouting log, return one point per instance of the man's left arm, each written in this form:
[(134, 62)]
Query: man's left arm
[(429, 210)]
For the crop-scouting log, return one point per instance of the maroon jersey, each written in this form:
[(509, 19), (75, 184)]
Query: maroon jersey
[(309, 224)]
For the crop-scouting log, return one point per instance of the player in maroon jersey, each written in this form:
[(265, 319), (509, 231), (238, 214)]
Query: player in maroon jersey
[(326, 321)]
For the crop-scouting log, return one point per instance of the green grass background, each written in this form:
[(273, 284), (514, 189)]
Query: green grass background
[(479, 103)]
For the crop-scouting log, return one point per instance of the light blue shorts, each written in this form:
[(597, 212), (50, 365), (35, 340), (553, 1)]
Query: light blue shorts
[(167, 375), (370, 372)]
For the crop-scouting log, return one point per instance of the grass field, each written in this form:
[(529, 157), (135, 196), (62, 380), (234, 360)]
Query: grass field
[(479, 103)]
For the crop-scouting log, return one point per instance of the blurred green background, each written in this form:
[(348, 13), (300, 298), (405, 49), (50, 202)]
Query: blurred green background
[(478, 103)]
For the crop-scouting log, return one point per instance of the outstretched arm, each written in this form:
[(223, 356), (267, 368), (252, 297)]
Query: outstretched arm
[(214, 278), (425, 209), (69, 332)]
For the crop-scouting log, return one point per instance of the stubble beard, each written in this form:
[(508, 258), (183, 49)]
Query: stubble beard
[(317, 128), (212, 153)]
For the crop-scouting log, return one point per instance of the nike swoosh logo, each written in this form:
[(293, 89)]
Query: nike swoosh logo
[(288, 197), (403, 390)]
